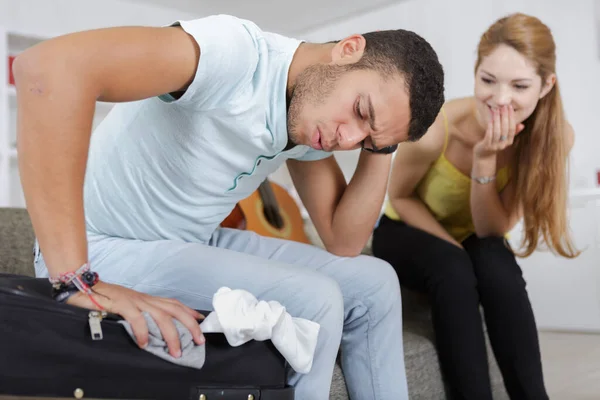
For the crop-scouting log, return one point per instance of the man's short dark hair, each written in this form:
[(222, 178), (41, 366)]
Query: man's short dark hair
[(394, 51)]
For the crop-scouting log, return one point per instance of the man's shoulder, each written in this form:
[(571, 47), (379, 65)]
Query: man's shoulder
[(220, 20), (228, 36), (278, 42), (235, 26)]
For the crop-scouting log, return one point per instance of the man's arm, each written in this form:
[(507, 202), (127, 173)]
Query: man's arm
[(344, 215), (58, 83)]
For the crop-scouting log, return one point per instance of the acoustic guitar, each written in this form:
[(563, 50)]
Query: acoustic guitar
[(269, 211)]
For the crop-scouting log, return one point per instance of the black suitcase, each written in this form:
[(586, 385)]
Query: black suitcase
[(46, 350)]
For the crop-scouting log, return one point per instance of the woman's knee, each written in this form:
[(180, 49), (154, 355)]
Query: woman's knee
[(496, 267), (451, 270), (489, 250)]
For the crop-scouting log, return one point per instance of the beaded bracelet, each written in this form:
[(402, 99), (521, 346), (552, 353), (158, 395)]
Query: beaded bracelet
[(69, 283)]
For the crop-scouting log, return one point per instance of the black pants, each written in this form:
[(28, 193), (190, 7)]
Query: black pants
[(457, 281)]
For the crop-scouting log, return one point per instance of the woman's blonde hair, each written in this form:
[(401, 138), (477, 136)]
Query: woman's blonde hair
[(541, 165)]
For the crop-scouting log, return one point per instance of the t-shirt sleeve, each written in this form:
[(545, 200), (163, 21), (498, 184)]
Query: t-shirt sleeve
[(314, 155), (229, 56)]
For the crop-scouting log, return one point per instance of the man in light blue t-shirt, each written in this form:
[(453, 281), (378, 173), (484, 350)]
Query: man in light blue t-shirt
[(209, 109)]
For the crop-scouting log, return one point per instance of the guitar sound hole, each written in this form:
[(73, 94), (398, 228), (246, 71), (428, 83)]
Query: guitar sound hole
[(273, 217)]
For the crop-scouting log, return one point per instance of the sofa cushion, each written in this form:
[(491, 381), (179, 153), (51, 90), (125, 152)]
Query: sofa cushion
[(16, 242)]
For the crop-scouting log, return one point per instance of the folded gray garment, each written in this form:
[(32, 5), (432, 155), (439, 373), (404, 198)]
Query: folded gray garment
[(192, 355)]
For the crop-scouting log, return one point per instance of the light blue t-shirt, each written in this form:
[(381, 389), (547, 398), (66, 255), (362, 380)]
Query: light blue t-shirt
[(162, 168)]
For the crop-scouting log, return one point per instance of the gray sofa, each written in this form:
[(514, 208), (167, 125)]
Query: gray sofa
[(422, 367)]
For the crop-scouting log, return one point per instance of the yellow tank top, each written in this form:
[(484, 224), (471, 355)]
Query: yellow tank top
[(446, 191)]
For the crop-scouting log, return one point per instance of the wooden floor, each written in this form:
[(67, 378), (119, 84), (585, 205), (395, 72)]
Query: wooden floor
[(571, 365)]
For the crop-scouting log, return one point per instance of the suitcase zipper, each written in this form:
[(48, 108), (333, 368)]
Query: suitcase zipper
[(95, 319)]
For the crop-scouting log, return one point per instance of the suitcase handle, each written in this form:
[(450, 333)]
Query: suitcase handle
[(226, 394), (208, 393)]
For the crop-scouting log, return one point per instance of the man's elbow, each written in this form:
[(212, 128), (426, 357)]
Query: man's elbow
[(42, 69), (37, 74), (23, 67)]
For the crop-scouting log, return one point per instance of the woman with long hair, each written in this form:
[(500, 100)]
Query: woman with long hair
[(487, 162)]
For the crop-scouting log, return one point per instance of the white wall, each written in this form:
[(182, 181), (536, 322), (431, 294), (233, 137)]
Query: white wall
[(56, 17), (454, 27), (597, 5)]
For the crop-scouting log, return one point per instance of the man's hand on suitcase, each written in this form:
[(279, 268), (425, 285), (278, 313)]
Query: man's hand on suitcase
[(130, 304)]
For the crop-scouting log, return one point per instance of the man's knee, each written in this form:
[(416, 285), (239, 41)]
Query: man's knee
[(375, 280), (320, 298)]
